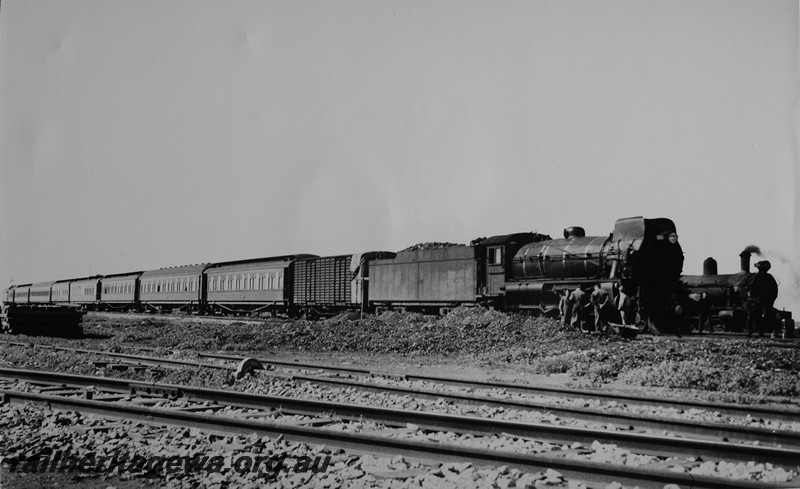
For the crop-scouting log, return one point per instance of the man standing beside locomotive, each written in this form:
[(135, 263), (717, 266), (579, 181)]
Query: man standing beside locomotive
[(761, 295), (578, 303), (624, 305), (565, 307), (600, 302)]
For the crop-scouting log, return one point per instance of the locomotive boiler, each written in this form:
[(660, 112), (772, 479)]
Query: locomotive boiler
[(641, 255)]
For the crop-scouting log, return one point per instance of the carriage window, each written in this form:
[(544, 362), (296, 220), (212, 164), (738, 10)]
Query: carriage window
[(280, 280)]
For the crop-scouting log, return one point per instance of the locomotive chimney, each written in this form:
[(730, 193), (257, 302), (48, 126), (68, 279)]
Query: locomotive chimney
[(745, 256), (710, 266), (745, 261)]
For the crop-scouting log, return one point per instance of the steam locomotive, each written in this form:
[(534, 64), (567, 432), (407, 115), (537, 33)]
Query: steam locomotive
[(515, 272), (724, 296)]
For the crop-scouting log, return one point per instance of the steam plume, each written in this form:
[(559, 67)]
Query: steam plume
[(752, 249)]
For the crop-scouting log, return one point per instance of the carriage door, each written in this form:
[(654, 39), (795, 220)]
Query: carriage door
[(495, 270)]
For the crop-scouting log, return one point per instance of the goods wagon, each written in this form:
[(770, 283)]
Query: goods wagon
[(260, 284), (85, 292), (120, 291), (172, 288), (327, 285)]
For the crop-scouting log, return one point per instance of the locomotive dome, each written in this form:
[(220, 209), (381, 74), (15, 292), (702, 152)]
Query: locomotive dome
[(574, 232)]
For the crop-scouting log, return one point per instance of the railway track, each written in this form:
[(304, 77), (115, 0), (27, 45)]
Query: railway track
[(778, 413), (618, 420), (71, 392), (788, 414)]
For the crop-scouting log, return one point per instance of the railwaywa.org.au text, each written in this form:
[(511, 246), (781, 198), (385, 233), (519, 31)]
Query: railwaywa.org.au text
[(267, 466)]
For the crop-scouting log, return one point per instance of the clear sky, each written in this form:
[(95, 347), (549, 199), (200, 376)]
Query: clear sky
[(136, 135)]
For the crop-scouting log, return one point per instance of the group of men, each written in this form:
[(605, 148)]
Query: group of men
[(576, 304)]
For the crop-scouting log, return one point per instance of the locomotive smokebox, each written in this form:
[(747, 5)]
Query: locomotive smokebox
[(710, 266), (574, 232), (744, 259)]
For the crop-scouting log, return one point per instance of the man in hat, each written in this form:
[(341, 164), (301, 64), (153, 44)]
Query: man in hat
[(761, 294)]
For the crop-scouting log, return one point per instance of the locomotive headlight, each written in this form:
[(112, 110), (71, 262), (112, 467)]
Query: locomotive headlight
[(673, 238)]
